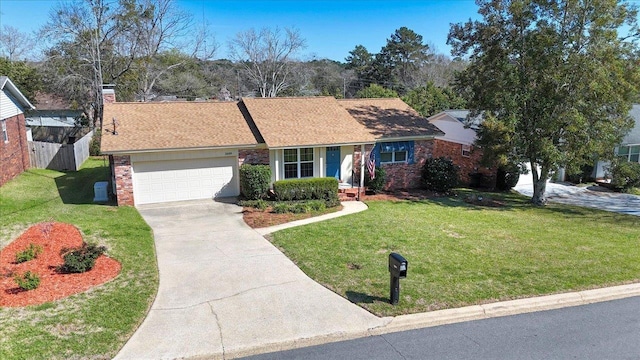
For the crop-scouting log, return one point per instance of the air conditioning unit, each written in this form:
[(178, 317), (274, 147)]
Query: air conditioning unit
[(100, 191)]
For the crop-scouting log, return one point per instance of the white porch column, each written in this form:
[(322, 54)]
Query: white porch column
[(362, 157)]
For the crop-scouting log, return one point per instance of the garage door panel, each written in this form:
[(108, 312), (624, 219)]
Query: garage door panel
[(190, 179)]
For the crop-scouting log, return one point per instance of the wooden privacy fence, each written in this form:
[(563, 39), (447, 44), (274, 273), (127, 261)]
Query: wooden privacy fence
[(57, 156)]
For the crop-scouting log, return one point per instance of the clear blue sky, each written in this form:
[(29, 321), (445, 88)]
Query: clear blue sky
[(331, 28)]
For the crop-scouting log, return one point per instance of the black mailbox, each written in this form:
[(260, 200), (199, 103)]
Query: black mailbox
[(397, 270), (398, 265)]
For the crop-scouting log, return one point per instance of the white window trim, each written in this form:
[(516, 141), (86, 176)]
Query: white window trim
[(5, 135), (393, 157), (466, 150), (298, 162)]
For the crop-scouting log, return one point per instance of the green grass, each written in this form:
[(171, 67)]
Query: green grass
[(97, 323), (460, 254)]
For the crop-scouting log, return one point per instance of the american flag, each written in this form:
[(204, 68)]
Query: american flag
[(371, 165)]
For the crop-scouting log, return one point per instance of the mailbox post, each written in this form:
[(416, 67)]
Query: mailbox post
[(397, 270)]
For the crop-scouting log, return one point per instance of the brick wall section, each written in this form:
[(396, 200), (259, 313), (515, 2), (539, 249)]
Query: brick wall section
[(402, 176), (253, 157), (468, 164), (124, 181), (14, 155)]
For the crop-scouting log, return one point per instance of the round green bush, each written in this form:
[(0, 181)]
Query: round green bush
[(440, 174), (376, 184)]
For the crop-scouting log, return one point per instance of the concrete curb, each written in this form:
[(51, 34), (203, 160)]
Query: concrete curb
[(452, 316), (348, 207)]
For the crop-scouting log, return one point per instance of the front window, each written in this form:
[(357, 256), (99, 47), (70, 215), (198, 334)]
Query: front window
[(298, 163), (393, 157)]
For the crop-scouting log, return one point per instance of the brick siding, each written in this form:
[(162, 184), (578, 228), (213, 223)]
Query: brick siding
[(14, 155), (401, 176), (468, 164), (253, 157), (124, 182)]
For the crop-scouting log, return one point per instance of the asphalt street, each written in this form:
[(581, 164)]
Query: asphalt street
[(608, 330)]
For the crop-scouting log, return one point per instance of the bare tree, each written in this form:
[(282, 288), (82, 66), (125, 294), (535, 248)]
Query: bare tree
[(14, 44), (89, 44), (162, 27), (266, 57)]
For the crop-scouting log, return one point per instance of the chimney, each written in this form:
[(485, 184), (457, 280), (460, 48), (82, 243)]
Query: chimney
[(108, 93)]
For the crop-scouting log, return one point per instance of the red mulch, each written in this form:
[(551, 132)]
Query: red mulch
[(53, 237)]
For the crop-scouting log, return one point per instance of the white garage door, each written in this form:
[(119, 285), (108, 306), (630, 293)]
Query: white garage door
[(188, 179)]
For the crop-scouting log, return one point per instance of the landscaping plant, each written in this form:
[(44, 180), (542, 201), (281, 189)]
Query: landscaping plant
[(254, 181), (376, 184), (27, 281), (440, 174), (30, 253), (81, 259)]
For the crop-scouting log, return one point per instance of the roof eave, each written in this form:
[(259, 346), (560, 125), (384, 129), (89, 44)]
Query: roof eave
[(13, 89), (140, 151)]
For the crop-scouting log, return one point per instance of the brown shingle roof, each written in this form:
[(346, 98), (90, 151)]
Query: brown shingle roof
[(174, 125), (284, 122), (389, 118)]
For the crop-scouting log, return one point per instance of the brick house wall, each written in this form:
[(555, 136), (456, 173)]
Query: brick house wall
[(14, 154), (401, 176), (121, 168), (468, 164), (253, 157)]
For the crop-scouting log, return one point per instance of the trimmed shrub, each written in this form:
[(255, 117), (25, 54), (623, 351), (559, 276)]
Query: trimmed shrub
[(30, 253), (377, 184), (440, 174), (299, 207), (307, 189), (625, 175), (27, 281), (256, 204), (81, 259), (507, 177), (254, 181), (581, 176)]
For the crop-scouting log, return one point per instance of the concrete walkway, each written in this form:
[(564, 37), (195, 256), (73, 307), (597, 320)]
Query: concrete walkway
[(593, 197), (225, 292)]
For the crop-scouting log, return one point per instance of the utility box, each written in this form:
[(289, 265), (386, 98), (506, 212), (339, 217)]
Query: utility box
[(100, 191)]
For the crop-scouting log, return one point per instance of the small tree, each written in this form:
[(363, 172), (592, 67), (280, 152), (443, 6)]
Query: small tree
[(440, 174)]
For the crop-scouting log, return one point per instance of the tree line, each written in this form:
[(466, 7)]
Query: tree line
[(553, 80), (152, 49)]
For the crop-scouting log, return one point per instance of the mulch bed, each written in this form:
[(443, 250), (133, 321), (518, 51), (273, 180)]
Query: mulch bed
[(53, 238)]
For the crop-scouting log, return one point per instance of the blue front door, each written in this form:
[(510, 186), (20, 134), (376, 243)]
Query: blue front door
[(333, 162)]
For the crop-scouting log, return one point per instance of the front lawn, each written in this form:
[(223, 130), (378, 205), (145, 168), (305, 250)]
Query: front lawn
[(461, 254), (97, 323)]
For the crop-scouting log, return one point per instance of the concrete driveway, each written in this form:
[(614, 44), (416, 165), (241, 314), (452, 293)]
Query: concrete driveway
[(593, 197), (225, 291)]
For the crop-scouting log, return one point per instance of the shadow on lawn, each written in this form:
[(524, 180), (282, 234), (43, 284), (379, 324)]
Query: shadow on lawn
[(360, 298), (76, 187)]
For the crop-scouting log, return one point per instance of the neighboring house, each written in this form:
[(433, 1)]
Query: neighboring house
[(457, 143), (628, 150), (174, 151), (53, 118), (14, 152)]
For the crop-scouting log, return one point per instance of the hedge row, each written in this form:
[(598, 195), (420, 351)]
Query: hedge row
[(307, 189)]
